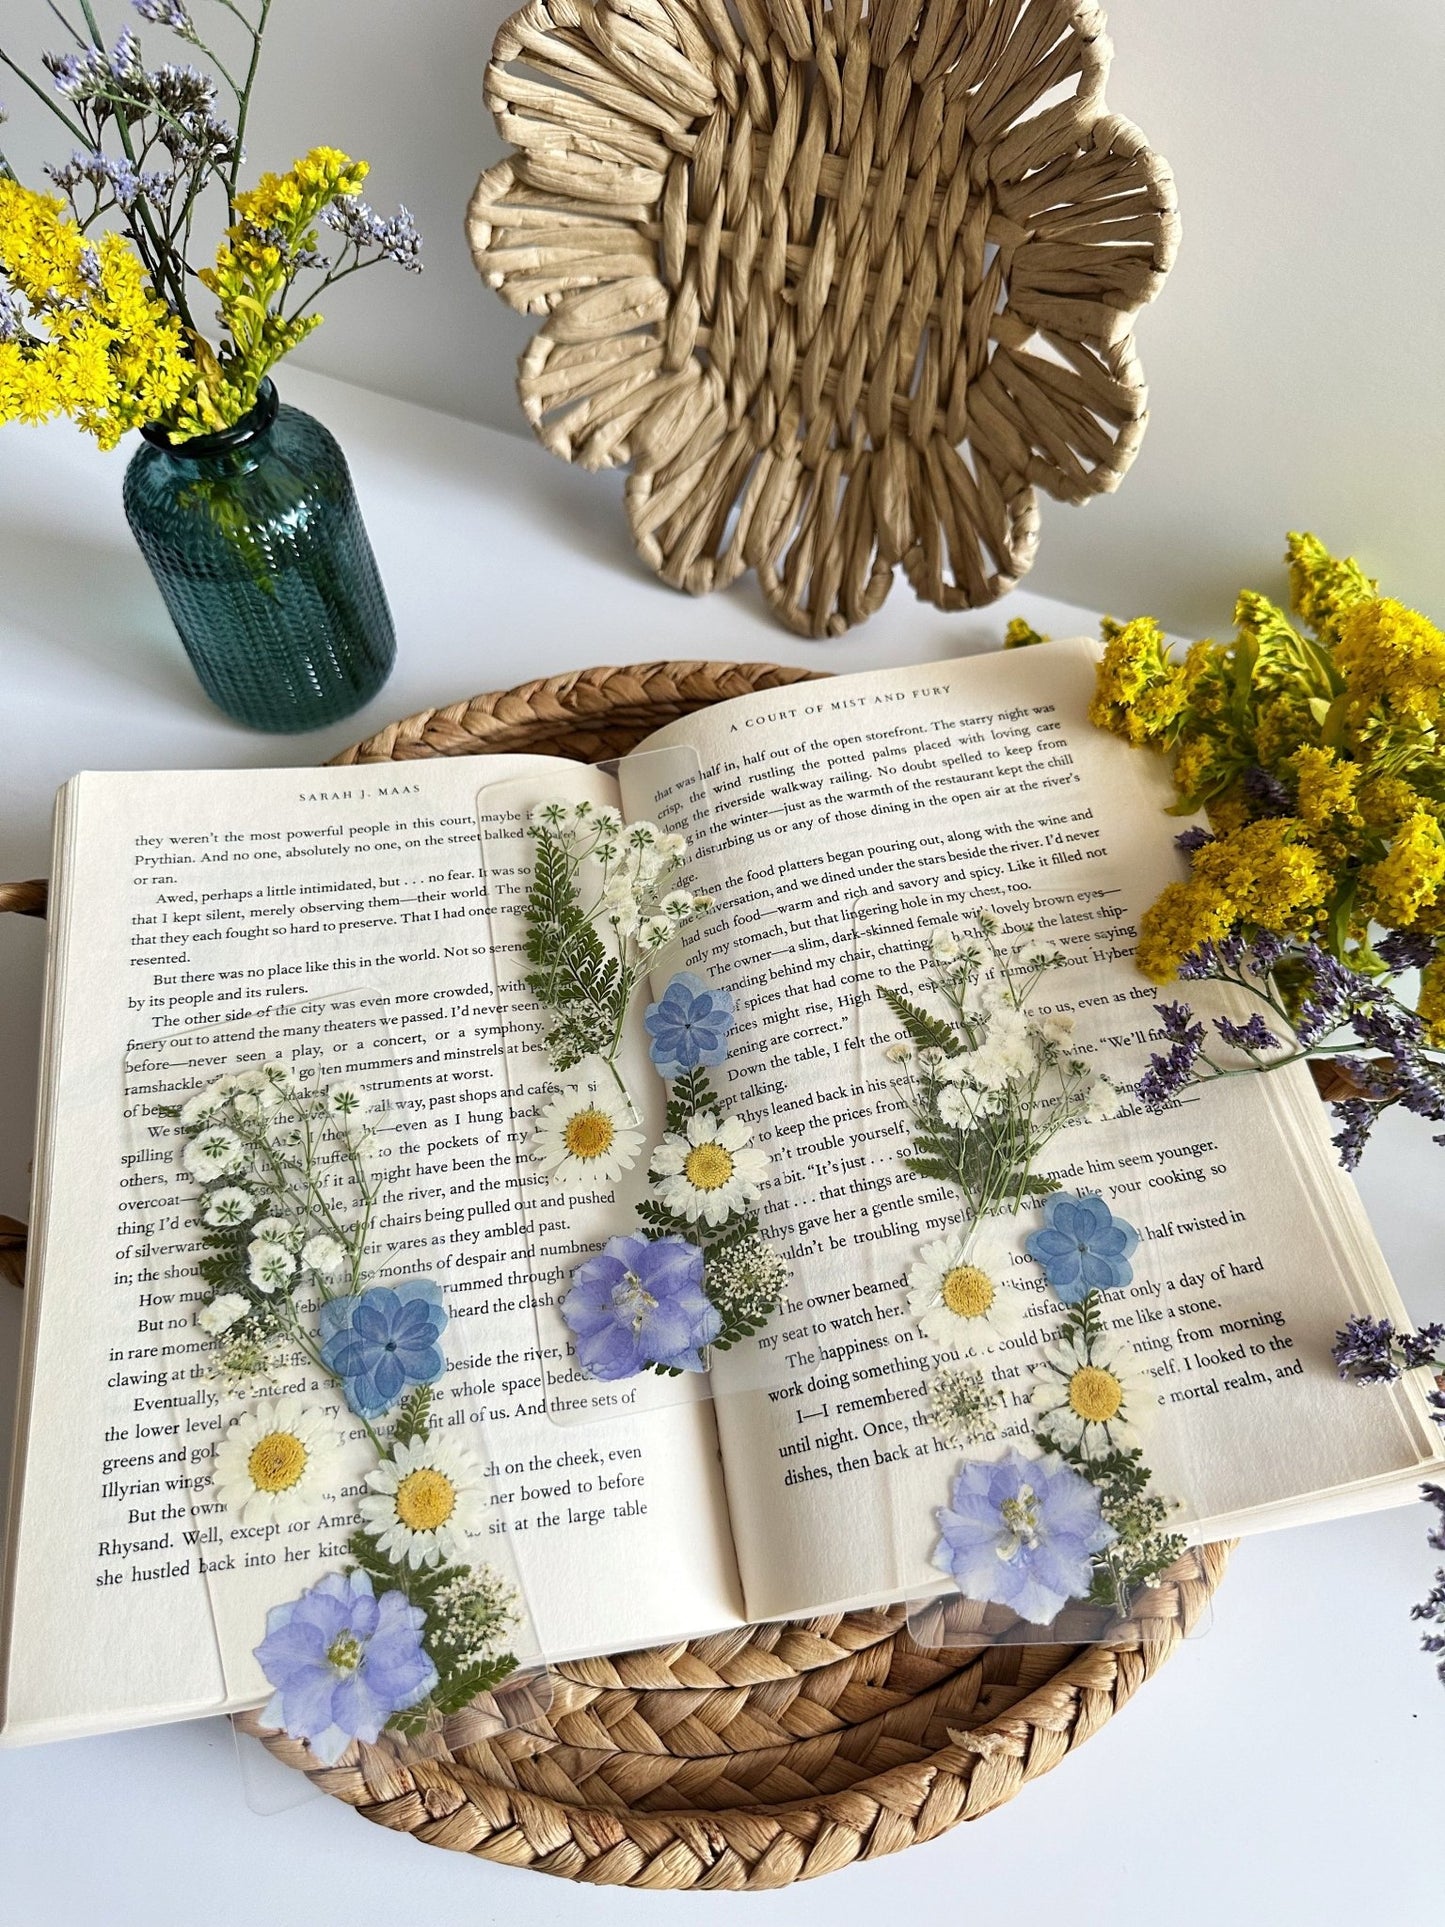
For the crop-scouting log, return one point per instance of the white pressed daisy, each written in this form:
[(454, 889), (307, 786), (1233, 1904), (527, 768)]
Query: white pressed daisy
[(1057, 1027), (711, 1170), (270, 1264), (424, 1502), (277, 1461), (957, 1296), (214, 1152), (898, 1053), (655, 932), (324, 1254), (548, 816), (587, 1134), (946, 944), (605, 817), (222, 1313), (228, 1205), (678, 904), (672, 847), (1090, 1394), (277, 1231)]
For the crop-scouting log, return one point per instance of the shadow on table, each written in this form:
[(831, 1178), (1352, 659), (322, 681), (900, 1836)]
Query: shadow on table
[(96, 601)]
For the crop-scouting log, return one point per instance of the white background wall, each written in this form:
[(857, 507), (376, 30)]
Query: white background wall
[(1295, 356)]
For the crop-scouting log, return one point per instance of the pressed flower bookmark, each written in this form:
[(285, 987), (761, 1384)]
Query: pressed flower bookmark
[(410, 1630), (697, 1276)]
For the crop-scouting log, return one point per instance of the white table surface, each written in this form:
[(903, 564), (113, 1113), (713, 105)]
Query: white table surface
[(1287, 1765)]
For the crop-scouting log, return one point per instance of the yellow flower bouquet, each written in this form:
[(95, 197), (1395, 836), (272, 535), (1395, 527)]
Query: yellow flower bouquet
[(1312, 743), (111, 317)]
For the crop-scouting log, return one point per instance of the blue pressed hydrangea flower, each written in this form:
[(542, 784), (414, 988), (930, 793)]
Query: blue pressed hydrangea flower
[(382, 1341), (688, 1025), (1022, 1533), (1082, 1246)]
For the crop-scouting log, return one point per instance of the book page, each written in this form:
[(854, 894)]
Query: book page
[(195, 911), (856, 815)]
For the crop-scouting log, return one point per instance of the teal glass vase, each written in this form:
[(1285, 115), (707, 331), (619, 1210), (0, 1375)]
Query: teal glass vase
[(256, 542)]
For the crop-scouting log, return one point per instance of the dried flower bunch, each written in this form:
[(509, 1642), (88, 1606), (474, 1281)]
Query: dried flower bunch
[(101, 286), (844, 286), (1314, 744)]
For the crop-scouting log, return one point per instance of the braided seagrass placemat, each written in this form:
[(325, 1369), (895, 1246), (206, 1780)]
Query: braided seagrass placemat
[(771, 1753)]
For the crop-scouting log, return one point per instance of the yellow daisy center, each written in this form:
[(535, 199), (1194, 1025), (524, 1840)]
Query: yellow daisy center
[(425, 1499), (276, 1462), (967, 1291), (589, 1134), (1095, 1394), (708, 1167)]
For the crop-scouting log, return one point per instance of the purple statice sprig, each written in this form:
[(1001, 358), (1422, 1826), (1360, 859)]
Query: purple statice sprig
[(389, 237), (1337, 1013), (1370, 1351)]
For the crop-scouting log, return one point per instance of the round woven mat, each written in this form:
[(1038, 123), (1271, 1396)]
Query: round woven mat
[(771, 1753)]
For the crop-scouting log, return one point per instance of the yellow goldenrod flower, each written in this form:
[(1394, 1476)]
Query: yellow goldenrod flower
[(1139, 692), (1323, 590), (1264, 873), (98, 345), (253, 268), (1019, 635), (1328, 787), (1431, 1004), (1393, 661), (1408, 878)]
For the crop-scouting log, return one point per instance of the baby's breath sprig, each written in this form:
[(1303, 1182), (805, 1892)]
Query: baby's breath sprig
[(990, 1085), (605, 900)]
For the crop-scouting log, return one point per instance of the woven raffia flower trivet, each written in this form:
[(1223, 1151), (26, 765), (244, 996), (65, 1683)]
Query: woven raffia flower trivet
[(844, 287), (771, 1753)]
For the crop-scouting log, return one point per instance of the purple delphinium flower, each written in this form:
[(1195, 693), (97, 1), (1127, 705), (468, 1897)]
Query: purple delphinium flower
[(1022, 1533), (640, 1302), (383, 1340), (342, 1662), (1255, 1035), (1082, 1246), (688, 1025)]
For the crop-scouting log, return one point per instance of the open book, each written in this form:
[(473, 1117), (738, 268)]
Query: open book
[(197, 910)]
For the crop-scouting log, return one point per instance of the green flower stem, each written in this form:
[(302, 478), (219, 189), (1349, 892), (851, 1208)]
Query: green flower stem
[(43, 95), (243, 98)]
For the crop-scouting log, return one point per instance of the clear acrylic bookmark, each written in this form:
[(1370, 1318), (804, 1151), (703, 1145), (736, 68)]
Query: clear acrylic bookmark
[(338, 1510), (1027, 1407), (660, 1236)]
